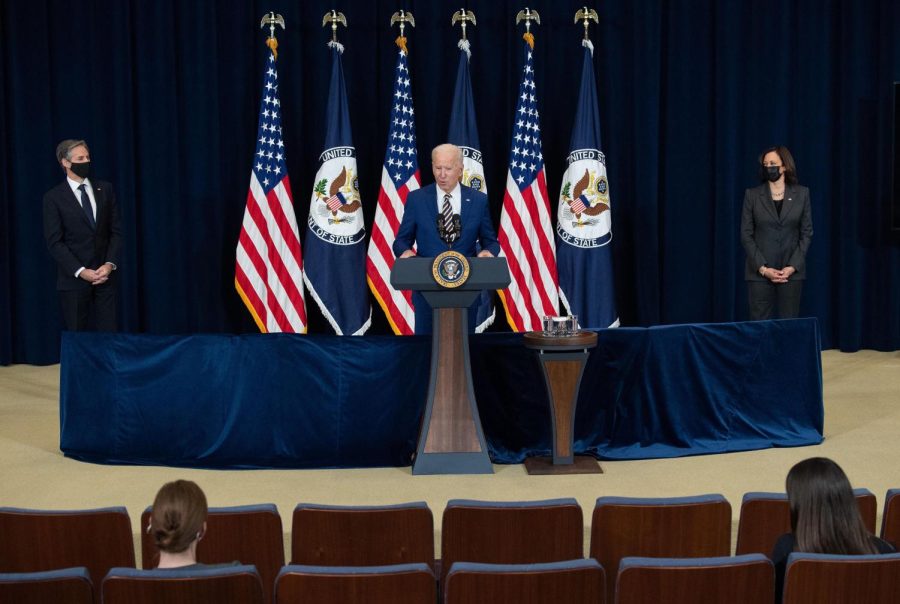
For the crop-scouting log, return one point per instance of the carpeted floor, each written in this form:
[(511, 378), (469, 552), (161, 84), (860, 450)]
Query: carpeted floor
[(862, 433)]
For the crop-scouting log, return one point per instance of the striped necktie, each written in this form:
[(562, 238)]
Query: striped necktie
[(447, 214)]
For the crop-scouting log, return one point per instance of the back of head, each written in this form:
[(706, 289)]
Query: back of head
[(178, 514), (825, 517)]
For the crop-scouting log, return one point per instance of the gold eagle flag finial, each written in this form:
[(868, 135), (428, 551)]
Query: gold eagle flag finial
[(462, 17), (402, 17), (272, 20), (528, 16), (334, 17), (586, 15)]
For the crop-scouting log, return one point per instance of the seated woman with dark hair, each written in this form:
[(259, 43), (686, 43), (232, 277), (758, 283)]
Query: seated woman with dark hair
[(825, 517), (178, 523)]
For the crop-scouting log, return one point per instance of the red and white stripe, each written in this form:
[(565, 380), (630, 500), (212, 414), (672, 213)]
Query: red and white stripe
[(526, 241), (269, 265), (397, 305)]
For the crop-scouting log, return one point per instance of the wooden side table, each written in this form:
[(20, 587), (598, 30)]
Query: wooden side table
[(562, 359)]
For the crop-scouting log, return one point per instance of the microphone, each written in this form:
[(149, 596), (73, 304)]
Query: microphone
[(442, 232), (456, 228)]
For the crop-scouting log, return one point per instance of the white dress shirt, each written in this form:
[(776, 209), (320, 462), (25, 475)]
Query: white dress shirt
[(455, 199)]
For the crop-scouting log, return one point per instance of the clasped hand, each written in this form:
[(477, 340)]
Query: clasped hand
[(96, 277), (779, 276)]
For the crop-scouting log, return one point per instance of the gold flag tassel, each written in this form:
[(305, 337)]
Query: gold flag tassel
[(401, 43), (529, 37), (272, 43)]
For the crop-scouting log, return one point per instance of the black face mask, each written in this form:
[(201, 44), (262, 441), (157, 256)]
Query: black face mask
[(773, 173), (82, 170)]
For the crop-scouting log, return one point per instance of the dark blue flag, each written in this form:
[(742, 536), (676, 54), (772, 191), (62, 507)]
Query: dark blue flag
[(584, 230), (463, 133), (335, 251)]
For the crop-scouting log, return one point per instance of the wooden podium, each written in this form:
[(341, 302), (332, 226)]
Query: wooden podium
[(450, 440), (562, 359)]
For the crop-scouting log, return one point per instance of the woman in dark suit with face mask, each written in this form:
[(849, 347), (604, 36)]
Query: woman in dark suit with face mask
[(776, 230)]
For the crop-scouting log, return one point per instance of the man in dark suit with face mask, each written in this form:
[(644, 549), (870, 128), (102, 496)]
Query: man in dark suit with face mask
[(84, 235)]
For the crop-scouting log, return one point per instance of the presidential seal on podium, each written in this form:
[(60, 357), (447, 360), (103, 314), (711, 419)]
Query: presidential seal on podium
[(450, 269)]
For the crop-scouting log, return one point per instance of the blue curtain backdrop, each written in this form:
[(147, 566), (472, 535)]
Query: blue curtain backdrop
[(166, 93)]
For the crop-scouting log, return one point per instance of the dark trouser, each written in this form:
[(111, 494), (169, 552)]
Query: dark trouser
[(765, 295), (79, 304)]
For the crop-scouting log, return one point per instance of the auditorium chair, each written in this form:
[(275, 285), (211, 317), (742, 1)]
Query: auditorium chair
[(65, 586), (580, 581), (746, 579), (249, 534), (391, 584), (767, 516), (890, 520), (224, 585), (96, 539), (333, 535), (669, 527), (827, 579), (511, 532)]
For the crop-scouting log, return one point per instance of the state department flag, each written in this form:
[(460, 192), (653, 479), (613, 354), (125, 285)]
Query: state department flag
[(463, 133), (584, 228), (268, 271), (335, 269)]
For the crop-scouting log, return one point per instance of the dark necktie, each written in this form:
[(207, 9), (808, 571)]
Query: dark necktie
[(86, 206), (447, 214)]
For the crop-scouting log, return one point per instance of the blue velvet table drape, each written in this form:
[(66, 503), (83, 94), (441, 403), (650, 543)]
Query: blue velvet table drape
[(287, 401)]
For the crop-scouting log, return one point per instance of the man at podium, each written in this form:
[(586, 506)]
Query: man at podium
[(445, 216)]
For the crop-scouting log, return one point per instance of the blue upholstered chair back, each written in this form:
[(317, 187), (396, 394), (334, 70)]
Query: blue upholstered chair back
[(68, 585), (669, 527), (333, 535), (817, 578), (580, 581), (223, 585), (389, 584), (746, 579), (97, 539), (511, 532), (890, 519)]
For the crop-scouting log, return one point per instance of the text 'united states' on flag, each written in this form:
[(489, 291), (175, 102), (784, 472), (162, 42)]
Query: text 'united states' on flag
[(335, 237), (399, 177), (526, 236), (584, 216), (269, 265)]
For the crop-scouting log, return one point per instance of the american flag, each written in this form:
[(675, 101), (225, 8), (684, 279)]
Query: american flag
[(399, 176), (268, 270), (526, 236)]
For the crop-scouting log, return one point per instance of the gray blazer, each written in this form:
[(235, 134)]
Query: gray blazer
[(773, 240)]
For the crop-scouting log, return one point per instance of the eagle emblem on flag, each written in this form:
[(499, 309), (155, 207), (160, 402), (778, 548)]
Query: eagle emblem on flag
[(342, 199), (584, 201)]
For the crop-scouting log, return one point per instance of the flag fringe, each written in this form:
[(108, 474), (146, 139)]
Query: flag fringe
[(466, 48), (336, 45), (589, 45)]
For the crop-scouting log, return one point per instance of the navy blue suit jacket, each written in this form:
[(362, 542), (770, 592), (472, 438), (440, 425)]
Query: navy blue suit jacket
[(71, 240), (419, 224)]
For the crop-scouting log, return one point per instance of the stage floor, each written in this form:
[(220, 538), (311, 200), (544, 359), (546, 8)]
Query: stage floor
[(862, 422)]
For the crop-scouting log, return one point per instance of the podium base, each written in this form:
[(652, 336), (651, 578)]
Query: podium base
[(452, 463), (582, 464)]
